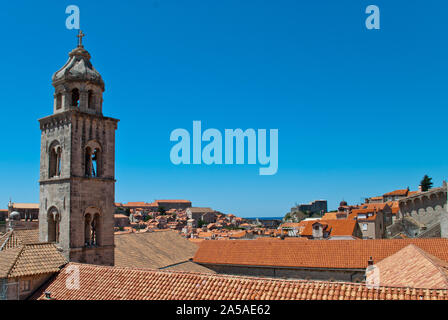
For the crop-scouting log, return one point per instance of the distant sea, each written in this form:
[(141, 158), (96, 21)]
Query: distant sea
[(264, 218)]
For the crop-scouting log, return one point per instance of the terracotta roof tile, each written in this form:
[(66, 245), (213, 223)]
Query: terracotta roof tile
[(152, 249), (31, 259), (413, 267), (16, 238), (342, 227), (112, 283), (25, 206), (346, 254), (173, 201), (329, 216), (401, 192)]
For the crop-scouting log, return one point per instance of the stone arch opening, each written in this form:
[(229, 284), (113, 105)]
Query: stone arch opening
[(75, 97), (53, 219), (55, 159), (93, 159), (92, 227), (90, 99), (58, 101)]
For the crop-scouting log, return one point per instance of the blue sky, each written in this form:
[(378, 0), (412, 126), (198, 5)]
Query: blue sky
[(359, 112)]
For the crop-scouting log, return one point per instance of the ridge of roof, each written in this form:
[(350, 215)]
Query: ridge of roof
[(9, 259), (441, 265), (31, 259), (105, 283), (335, 254), (6, 237)]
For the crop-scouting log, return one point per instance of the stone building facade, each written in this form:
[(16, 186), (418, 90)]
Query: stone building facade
[(316, 206), (423, 215), (28, 211), (207, 215), (173, 204), (326, 274), (77, 165)]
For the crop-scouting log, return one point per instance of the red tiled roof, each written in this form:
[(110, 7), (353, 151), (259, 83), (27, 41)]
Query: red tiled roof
[(205, 234), (374, 206), (290, 225), (343, 227), (30, 259), (112, 283), (238, 234), (25, 206), (401, 192), (329, 216), (394, 206), (139, 204), (173, 201), (344, 254), (413, 267)]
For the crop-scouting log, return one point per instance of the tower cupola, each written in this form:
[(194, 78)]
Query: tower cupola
[(78, 85)]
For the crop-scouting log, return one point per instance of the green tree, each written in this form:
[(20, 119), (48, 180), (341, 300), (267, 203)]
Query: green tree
[(161, 210), (426, 183), (201, 223)]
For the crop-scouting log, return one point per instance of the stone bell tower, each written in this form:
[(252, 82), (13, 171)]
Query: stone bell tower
[(77, 165)]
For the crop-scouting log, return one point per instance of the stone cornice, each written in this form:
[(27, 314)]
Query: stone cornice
[(70, 179), (59, 119)]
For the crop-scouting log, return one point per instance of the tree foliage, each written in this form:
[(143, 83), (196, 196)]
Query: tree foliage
[(426, 183)]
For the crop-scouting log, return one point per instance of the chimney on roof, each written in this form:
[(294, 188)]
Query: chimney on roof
[(419, 188), (370, 262), (48, 295)]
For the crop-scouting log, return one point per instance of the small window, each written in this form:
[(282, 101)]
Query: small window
[(55, 161), (92, 162), (91, 100), (75, 97), (25, 285), (364, 227), (58, 101), (53, 225)]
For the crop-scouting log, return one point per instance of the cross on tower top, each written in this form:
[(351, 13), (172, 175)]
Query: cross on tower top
[(80, 36)]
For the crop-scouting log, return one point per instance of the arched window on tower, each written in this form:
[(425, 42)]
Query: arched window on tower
[(93, 160), (53, 219), (91, 227), (55, 161), (87, 222), (59, 161), (75, 97), (94, 229), (91, 100), (88, 164)]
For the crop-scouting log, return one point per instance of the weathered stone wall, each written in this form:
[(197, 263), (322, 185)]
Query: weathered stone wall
[(55, 191), (14, 288), (424, 213), (72, 193), (292, 273)]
